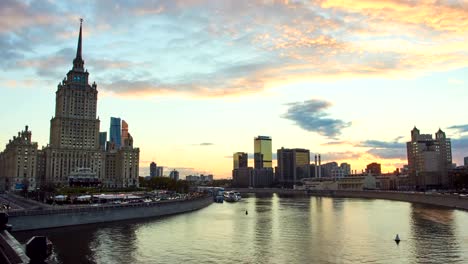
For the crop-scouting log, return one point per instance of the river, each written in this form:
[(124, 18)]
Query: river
[(277, 229)]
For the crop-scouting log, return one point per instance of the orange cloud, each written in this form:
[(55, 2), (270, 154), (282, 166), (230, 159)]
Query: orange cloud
[(438, 15)]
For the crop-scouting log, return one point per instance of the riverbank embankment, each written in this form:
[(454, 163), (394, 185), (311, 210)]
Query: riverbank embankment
[(60, 217), (446, 200)]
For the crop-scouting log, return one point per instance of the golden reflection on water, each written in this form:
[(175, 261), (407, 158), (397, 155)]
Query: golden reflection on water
[(277, 229)]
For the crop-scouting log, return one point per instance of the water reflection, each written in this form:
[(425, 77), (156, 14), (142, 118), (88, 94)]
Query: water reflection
[(262, 235), (278, 229), (433, 232)]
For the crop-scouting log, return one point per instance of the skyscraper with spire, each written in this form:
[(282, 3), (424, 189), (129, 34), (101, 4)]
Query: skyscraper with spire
[(74, 135)]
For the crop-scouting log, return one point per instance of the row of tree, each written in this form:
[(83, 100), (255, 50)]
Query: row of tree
[(164, 183)]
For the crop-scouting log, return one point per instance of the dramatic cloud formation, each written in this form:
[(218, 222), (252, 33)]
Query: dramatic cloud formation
[(234, 47), (310, 115)]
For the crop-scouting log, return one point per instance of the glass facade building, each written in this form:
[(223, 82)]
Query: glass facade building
[(263, 152), (240, 160), (102, 140), (115, 132)]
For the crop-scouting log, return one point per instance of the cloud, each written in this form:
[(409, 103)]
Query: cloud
[(310, 115), (51, 65), (459, 128), (381, 144), (392, 153), (335, 143), (385, 149), (206, 144), (446, 16), (237, 47), (459, 149), (346, 155), (460, 143)]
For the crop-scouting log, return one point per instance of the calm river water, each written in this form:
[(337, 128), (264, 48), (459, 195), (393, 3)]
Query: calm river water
[(277, 229)]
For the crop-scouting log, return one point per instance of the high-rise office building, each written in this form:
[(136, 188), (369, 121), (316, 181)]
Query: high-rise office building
[(159, 171), (115, 132), (374, 168), (465, 161), (263, 152), (102, 140), (240, 160), (429, 159), (124, 132), (293, 165), (153, 169), (174, 175)]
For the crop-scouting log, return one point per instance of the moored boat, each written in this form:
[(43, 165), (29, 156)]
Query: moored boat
[(232, 196)]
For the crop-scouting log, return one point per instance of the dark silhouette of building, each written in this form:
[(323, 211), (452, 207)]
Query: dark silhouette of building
[(374, 168), (293, 165), (240, 160), (174, 175), (153, 169)]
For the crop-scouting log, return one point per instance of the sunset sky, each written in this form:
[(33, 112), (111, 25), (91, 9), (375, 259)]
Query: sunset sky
[(197, 80)]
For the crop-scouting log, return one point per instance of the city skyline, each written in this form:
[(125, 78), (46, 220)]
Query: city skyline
[(328, 77)]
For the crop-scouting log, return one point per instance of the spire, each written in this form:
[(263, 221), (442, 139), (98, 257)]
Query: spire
[(78, 50), (78, 62)]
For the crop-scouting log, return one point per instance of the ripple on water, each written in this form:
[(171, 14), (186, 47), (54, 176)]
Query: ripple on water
[(276, 230)]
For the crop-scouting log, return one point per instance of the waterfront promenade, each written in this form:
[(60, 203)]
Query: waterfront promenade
[(60, 216), (446, 200)]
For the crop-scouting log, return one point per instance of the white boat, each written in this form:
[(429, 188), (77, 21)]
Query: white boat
[(232, 196)]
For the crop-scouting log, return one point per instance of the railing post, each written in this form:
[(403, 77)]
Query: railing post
[(38, 249)]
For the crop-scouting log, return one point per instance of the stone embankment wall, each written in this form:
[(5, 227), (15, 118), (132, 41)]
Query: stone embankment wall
[(447, 200), (31, 220)]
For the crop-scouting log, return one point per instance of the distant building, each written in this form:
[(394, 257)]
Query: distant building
[(240, 160), (263, 154), (153, 169), (374, 168), (174, 175), (429, 159), (206, 178), (337, 172), (75, 150), (124, 132), (159, 171), (115, 135), (241, 177), (346, 168), (199, 179), (354, 183), (293, 165), (18, 163), (261, 177), (328, 168), (465, 161)]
